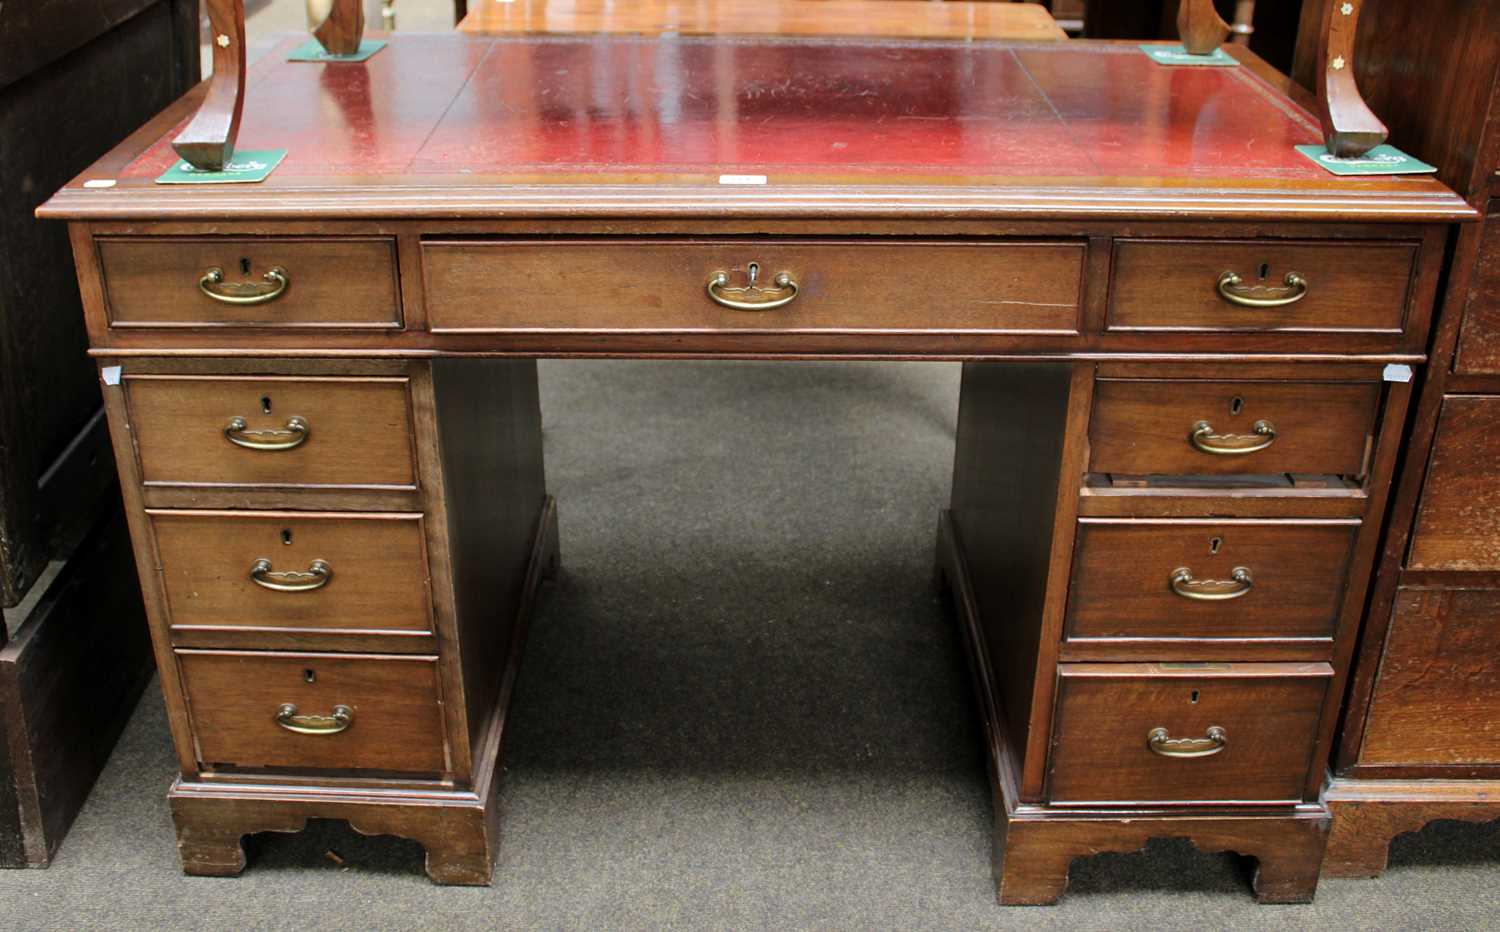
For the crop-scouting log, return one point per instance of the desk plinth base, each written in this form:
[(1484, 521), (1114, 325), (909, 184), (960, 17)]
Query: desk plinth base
[(1369, 814), (1035, 844), (458, 828)]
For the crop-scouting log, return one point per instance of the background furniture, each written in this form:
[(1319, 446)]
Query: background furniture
[(893, 18), (75, 662), (294, 459), (1419, 739)]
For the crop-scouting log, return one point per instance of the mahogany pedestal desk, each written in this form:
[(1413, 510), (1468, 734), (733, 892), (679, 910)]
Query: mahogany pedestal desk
[(1183, 396)]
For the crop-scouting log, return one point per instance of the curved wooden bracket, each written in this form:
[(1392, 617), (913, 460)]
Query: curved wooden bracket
[(207, 142), (1349, 126), (1200, 26), (338, 25)]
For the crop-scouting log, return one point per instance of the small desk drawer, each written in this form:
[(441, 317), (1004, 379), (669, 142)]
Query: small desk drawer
[(315, 711), (619, 284), (262, 282), (1261, 285), (300, 571), (1208, 579), (1182, 427), (1127, 733), (272, 431)]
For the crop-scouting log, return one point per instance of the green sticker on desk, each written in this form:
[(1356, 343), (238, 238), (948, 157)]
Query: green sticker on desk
[(245, 167), (312, 50), (1177, 55), (1381, 160)]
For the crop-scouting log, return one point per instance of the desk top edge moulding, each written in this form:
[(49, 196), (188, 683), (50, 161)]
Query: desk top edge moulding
[(1182, 341)]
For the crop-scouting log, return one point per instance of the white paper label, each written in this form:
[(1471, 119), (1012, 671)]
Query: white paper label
[(111, 375), (1398, 372), (742, 179), (99, 183)]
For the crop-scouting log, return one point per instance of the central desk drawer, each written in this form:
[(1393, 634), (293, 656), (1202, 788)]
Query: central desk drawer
[(654, 284), (1185, 427), (315, 711), (294, 570), (1153, 733), (272, 431), (1209, 579)]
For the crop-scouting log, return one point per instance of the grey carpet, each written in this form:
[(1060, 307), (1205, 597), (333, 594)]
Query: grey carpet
[(742, 706)]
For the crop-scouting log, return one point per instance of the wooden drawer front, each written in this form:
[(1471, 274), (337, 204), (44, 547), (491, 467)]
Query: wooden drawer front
[(155, 282), (234, 699), (1479, 336), (1146, 426), (1437, 692), (358, 572), (1162, 285), (615, 284), (358, 430), (1159, 579), (1458, 521), (1106, 713)]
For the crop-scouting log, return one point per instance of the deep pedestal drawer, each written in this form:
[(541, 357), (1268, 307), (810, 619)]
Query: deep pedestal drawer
[(315, 711), (1139, 732)]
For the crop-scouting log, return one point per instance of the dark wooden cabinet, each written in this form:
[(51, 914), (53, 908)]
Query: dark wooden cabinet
[(76, 77), (1417, 741)]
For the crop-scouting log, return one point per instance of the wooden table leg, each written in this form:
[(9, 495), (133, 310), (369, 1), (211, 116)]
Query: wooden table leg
[(338, 25), (1349, 126), (207, 142), (1200, 26)]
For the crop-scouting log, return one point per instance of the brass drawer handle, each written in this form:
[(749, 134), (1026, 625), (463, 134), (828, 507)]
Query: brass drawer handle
[(294, 434), (719, 291), (1237, 585), (272, 286), (1233, 289), (1204, 439), (316, 576), (289, 718), (1161, 742)]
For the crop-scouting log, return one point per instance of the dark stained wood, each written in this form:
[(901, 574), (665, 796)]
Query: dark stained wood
[(69, 681), (1012, 424), (207, 143), (1479, 337), (1174, 285), (1437, 681), (953, 19), (358, 430), (860, 285), (339, 283), (1200, 26), (1297, 572), (233, 698), (1143, 426), (1034, 846), (342, 28), (377, 568), (1369, 814), (1458, 521), (1350, 128), (1105, 713)]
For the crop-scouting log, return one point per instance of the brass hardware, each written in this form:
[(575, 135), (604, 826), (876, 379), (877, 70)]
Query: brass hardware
[(1160, 741), (316, 576), (719, 290), (294, 434), (289, 718), (1204, 439), (1236, 586), (274, 284), (1233, 289)]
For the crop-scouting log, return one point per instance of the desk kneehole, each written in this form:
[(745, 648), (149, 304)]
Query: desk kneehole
[(480, 285)]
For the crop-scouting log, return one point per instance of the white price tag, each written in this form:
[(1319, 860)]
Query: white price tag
[(1397, 372)]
